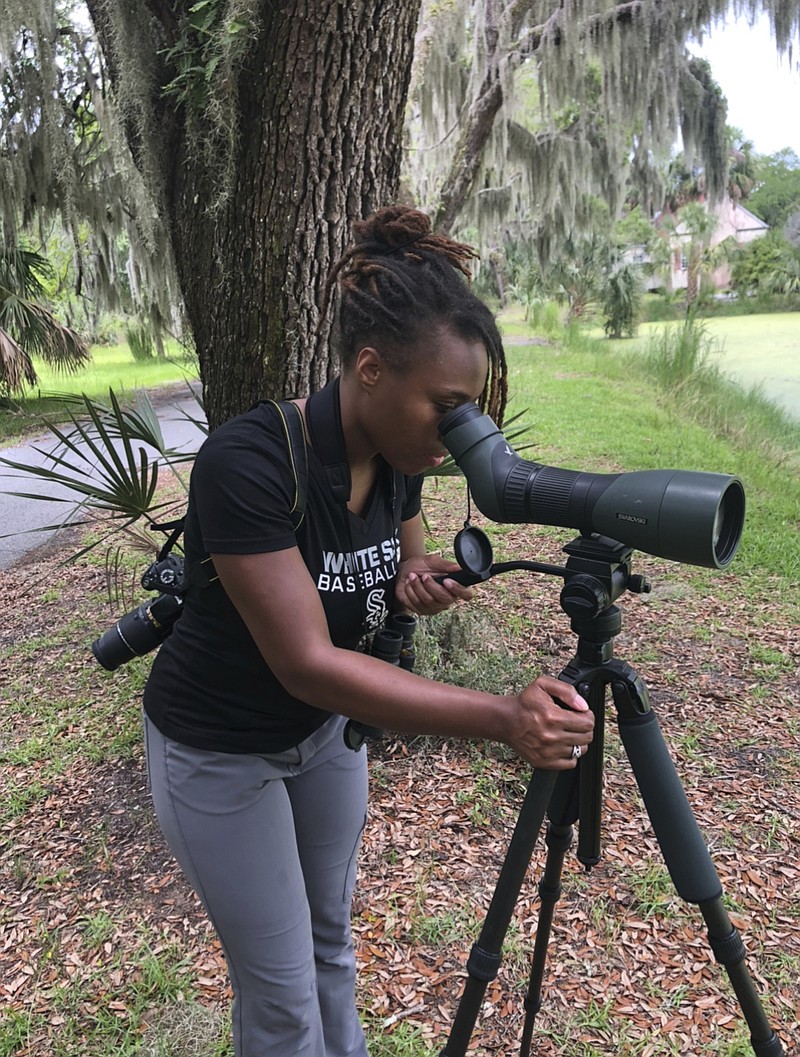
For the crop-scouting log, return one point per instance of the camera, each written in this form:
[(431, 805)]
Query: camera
[(683, 515), (141, 630)]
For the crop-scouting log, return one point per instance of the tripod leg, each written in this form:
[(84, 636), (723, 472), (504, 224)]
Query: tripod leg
[(577, 794), (559, 839), (485, 956), (688, 860)]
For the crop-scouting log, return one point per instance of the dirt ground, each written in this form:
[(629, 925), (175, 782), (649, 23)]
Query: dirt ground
[(630, 970)]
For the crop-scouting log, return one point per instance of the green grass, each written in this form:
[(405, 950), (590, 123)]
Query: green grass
[(404, 1040), (112, 367), (110, 1014), (597, 408)]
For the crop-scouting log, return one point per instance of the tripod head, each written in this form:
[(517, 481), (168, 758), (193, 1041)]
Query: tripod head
[(598, 571)]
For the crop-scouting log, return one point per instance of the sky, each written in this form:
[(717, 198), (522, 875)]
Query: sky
[(762, 88)]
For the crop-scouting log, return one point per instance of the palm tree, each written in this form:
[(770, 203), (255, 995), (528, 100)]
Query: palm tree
[(27, 327), (698, 225), (742, 171)]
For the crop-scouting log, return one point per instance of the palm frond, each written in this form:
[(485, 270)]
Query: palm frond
[(89, 463), (24, 270), (16, 366), (58, 345), (34, 327), (102, 461), (139, 423)]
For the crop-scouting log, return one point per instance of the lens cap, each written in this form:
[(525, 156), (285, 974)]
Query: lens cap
[(473, 551)]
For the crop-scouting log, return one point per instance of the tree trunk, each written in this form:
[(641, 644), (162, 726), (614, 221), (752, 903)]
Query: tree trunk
[(321, 99), (692, 279), (468, 155)]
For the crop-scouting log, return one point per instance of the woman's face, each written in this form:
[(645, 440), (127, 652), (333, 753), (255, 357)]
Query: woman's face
[(404, 407)]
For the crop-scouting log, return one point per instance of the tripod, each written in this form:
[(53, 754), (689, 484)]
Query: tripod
[(596, 574)]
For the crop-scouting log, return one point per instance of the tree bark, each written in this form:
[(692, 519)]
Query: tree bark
[(321, 98)]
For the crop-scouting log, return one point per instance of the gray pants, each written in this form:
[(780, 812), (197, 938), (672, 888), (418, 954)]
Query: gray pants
[(269, 844)]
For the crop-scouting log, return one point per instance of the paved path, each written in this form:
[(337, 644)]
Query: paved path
[(20, 519)]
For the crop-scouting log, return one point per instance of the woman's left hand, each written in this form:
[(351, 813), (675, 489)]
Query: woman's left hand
[(418, 591)]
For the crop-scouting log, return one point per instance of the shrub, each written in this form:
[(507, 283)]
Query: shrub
[(140, 342), (622, 300)]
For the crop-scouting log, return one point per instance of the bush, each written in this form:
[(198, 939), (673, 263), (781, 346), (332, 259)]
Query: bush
[(140, 342), (545, 318), (622, 301), (659, 309), (106, 330)]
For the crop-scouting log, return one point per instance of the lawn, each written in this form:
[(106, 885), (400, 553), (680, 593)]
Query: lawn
[(112, 367)]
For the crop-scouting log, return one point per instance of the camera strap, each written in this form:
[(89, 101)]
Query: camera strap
[(203, 573), (175, 529)]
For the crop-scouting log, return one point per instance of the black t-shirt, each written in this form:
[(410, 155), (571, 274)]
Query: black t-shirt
[(209, 686)]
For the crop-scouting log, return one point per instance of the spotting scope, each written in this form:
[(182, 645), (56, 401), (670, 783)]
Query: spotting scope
[(683, 515)]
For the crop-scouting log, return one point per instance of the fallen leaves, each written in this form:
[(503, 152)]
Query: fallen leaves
[(89, 892)]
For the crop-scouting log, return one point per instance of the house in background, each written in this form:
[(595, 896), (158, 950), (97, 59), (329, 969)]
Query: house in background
[(733, 221)]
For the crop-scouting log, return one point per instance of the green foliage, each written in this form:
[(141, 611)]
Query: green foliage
[(676, 354), (28, 327), (778, 191), (111, 367), (100, 461), (576, 275), (635, 228), (211, 26), (546, 319), (140, 342), (405, 1040), (585, 271), (784, 279), (664, 307), (205, 61), (622, 300), (522, 270), (64, 166), (756, 261)]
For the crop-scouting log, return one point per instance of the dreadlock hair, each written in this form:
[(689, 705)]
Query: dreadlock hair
[(398, 282)]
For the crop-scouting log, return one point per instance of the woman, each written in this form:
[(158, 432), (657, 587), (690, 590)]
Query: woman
[(261, 801)]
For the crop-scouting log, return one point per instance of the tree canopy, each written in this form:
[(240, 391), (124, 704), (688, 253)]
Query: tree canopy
[(615, 86), (235, 141), (777, 194)]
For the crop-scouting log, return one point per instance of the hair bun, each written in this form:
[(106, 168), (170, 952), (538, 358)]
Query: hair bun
[(392, 227)]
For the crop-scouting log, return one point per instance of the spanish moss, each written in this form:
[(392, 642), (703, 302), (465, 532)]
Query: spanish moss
[(615, 88)]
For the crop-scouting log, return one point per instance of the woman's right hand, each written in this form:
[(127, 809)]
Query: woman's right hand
[(551, 718)]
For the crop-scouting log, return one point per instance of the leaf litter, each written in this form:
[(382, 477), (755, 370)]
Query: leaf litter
[(89, 890)]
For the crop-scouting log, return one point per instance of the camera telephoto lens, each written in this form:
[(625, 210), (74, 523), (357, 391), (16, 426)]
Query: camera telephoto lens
[(137, 633)]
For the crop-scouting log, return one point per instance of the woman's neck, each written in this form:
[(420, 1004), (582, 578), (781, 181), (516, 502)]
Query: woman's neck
[(362, 456)]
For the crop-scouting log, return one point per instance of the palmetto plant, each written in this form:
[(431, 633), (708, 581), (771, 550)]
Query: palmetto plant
[(785, 277), (27, 327), (108, 459), (622, 299)]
